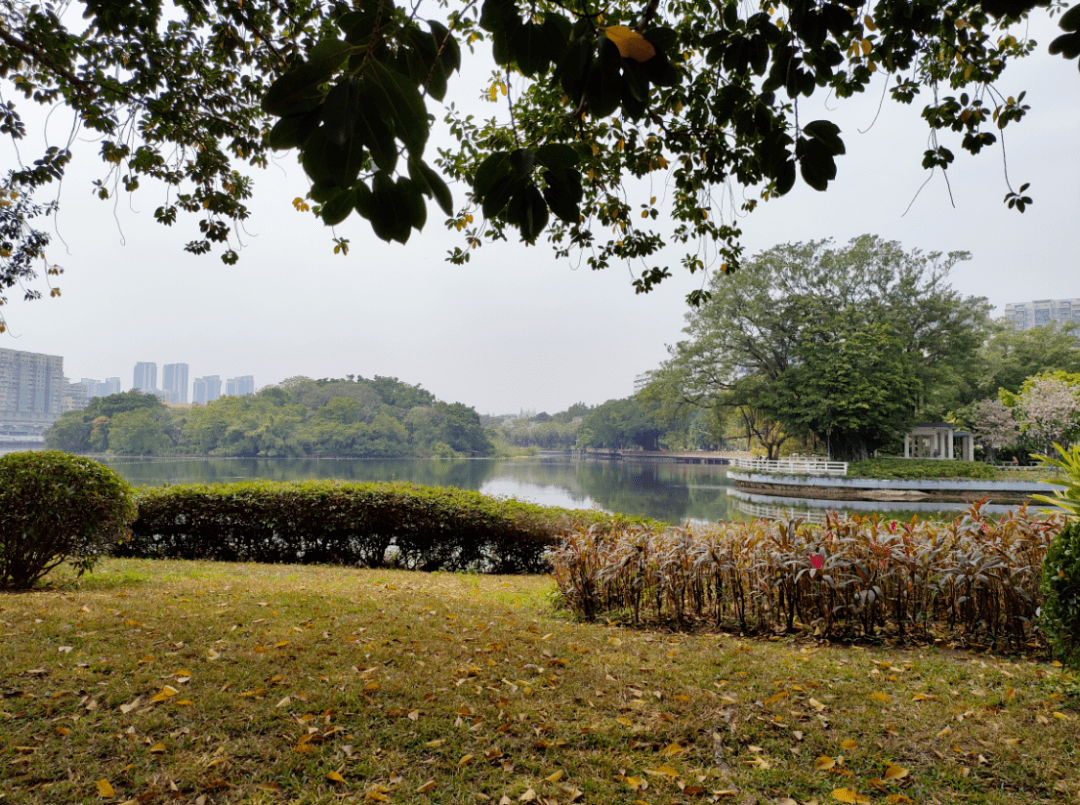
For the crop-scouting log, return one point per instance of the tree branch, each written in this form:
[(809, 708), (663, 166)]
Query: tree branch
[(646, 18), (36, 55)]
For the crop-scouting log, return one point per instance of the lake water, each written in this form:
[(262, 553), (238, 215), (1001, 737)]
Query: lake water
[(674, 493)]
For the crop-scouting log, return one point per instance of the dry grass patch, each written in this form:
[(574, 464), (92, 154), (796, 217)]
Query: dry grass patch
[(167, 682)]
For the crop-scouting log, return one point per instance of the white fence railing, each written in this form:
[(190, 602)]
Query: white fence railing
[(796, 466)]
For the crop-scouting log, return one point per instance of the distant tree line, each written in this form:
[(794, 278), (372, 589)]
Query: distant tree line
[(378, 418)]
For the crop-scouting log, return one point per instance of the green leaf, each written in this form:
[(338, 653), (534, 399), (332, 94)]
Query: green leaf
[(573, 68), (562, 193), (528, 212), (500, 16), (785, 176), (490, 171), (1070, 20), (421, 172), (376, 134), (521, 163), (340, 110), (337, 209), (362, 199), (295, 130), (302, 84), (390, 209), (605, 80), (396, 96), (412, 193), (497, 198), (529, 48), (557, 156), (636, 80), (827, 133), (1067, 45), (557, 32), (315, 160), (816, 164)]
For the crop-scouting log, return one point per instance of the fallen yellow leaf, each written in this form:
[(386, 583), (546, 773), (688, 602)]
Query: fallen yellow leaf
[(849, 744), (105, 790), (428, 786), (878, 696), (895, 773), (166, 693), (849, 795), (824, 763), (896, 799), (554, 778), (157, 749), (335, 777), (672, 749)]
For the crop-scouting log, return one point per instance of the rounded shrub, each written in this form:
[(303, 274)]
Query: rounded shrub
[(1060, 614), (56, 507)]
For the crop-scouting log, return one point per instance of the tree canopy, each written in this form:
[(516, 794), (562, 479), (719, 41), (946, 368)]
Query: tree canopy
[(378, 418), (196, 93), (847, 344)]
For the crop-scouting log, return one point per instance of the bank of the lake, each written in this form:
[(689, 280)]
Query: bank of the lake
[(671, 492), (928, 491)]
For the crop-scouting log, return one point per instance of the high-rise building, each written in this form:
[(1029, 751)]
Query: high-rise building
[(76, 396), (1039, 313), (174, 382), (31, 391), (94, 388), (242, 386), (207, 389), (112, 385), (145, 377)]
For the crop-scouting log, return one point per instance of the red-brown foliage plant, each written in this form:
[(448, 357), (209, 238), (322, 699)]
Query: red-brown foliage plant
[(975, 575)]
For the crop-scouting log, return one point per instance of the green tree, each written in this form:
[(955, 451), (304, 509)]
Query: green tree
[(1011, 356), (460, 428), (847, 344), (138, 432), (194, 93), (70, 433), (851, 384), (619, 424)]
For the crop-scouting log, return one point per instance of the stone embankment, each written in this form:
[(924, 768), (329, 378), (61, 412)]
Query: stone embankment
[(928, 491)]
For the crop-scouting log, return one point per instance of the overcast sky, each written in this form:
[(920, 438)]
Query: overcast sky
[(516, 328)]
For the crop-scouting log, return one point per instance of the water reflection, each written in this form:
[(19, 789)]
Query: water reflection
[(675, 493)]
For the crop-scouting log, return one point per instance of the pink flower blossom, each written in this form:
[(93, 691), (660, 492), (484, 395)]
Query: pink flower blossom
[(817, 560)]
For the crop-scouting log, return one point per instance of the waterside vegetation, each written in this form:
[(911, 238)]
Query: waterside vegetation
[(351, 416)]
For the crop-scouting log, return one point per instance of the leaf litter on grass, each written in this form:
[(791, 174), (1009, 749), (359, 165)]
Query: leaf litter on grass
[(375, 686)]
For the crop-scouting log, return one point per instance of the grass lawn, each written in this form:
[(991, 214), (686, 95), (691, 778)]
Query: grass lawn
[(198, 682)]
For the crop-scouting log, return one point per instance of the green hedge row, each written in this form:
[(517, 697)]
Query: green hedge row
[(920, 469), (369, 525)]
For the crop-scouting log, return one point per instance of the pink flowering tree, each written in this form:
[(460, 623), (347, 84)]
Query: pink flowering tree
[(994, 426), (1048, 407)]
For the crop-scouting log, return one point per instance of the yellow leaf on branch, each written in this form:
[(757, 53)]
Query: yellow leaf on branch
[(630, 43)]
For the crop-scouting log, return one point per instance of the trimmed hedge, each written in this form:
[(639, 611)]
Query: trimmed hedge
[(921, 469), (368, 525)]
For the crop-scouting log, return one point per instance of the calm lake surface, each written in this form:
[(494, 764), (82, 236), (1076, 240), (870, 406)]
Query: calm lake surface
[(674, 493)]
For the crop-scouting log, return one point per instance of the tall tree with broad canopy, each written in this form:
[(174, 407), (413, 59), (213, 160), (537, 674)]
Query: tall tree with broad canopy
[(196, 93), (847, 344)]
